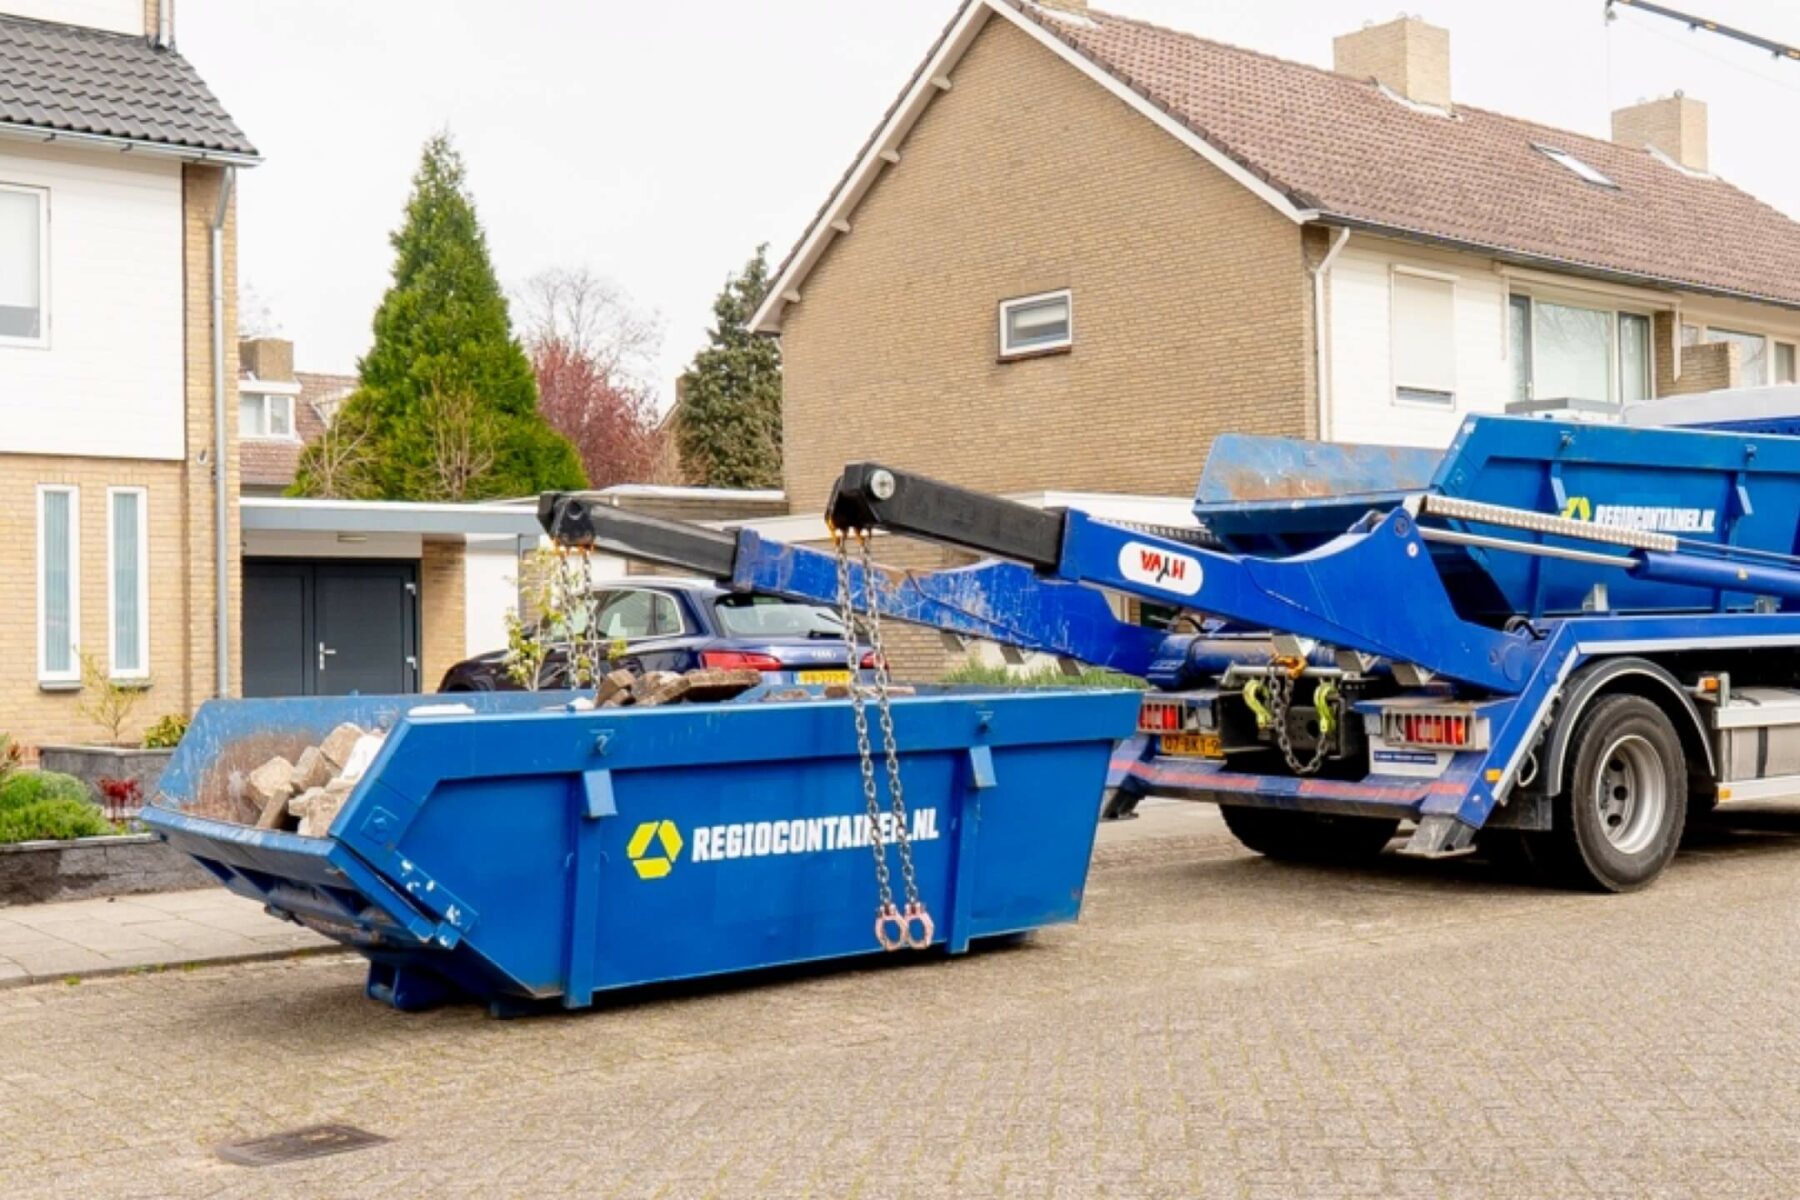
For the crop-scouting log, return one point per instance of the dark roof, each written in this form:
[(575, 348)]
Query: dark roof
[(273, 462), (1340, 146), (66, 79)]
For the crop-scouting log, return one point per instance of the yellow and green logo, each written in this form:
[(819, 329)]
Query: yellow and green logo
[(1579, 508), (653, 849)]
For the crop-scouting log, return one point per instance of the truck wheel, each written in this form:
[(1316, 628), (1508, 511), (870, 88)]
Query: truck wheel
[(1308, 837), (1620, 817)]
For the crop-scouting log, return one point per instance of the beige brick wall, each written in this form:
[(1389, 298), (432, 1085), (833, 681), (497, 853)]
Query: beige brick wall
[(1191, 299), (180, 529), (1704, 368), (443, 632), (1406, 54), (1676, 125)]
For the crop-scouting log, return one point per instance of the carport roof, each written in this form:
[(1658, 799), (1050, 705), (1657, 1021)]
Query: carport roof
[(285, 515)]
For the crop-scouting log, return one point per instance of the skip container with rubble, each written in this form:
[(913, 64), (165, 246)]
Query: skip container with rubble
[(525, 854)]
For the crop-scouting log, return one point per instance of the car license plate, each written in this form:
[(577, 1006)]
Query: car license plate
[(823, 677), (1192, 745)]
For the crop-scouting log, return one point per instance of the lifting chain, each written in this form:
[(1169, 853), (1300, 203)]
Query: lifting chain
[(1272, 700), (895, 928)]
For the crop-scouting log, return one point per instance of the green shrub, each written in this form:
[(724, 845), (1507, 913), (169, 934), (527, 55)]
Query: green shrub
[(32, 787), (53, 820), (167, 733), (1044, 676)]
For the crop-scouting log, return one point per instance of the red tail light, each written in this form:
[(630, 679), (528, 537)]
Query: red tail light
[(870, 661), (736, 660), (1159, 716), (1445, 730)]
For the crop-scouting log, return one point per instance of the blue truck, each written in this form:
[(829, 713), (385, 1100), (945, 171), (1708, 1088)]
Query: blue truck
[(1558, 639)]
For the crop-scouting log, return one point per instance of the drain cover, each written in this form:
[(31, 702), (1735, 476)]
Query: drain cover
[(315, 1141)]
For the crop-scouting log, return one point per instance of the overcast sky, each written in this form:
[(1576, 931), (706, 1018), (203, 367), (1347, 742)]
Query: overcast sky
[(658, 142)]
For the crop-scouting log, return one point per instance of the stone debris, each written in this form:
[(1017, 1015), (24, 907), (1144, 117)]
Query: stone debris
[(312, 770), (339, 743), (659, 687), (613, 685), (788, 694), (268, 788), (710, 685), (841, 691)]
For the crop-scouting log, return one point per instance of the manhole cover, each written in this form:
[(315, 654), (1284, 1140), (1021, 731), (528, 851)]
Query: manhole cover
[(315, 1141)]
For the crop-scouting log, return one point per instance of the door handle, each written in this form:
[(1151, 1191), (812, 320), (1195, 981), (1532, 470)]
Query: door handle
[(324, 650)]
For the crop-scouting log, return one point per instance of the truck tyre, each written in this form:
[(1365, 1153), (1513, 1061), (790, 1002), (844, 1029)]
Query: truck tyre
[(1624, 805), (1308, 837)]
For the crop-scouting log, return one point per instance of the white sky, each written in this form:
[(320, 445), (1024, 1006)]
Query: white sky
[(658, 141)]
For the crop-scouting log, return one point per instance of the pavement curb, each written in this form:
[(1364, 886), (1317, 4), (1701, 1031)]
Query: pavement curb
[(179, 964)]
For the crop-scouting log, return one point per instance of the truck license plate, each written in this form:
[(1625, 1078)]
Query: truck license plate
[(1192, 745), (823, 677)]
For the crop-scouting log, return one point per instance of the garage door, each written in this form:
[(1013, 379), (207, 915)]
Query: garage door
[(330, 628)]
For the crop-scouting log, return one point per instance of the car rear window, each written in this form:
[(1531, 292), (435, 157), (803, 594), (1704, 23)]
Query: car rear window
[(771, 616)]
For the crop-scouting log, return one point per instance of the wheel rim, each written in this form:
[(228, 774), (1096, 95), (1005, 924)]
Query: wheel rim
[(1631, 793)]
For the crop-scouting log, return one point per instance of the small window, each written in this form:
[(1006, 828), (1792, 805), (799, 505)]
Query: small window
[(1519, 345), (1565, 159), (1424, 341), (1036, 324), (23, 229), (128, 585), (1634, 357), (59, 592), (265, 416), (1753, 354), (1784, 363), (631, 616)]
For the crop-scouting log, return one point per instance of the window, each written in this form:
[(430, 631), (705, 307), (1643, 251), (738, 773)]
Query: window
[(743, 614), (23, 246), (1784, 363), (59, 595), (1564, 159), (1036, 324), (1566, 352), (1424, 342), (629, 616), (1753, 354), (127, 582), (261, 415)]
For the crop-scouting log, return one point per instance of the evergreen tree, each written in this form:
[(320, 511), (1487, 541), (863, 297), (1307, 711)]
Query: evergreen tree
[(447, 407), (729, 424)]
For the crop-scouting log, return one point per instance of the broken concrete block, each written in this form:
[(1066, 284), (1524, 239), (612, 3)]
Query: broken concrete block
[(312, 769), (618, 700), (301, 804), (272, 781), (789, 694), (321, 813), (659, 687), (612, 683), (361, 755), (339, 743), (711, 684), (841, 691)]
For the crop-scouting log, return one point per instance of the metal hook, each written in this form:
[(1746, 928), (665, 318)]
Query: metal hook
[(890, 928), (916, 915)]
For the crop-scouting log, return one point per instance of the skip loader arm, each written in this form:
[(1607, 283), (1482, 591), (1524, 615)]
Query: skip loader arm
[(998, 601)]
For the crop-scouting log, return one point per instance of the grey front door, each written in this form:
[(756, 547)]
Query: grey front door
[(330, 628)]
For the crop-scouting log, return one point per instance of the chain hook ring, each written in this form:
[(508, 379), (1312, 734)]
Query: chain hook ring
[(891, 928)]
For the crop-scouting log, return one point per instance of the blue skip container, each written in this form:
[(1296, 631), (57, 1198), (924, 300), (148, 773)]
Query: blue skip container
[(525, 855)]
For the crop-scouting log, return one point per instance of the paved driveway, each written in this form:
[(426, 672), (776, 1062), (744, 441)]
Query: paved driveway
[(1218, 1025)]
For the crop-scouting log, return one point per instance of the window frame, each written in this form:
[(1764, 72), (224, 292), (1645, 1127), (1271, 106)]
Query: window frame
[(142, 670), (1575, 165), (262, 395), (1613, 308), (1066, 343), (611, 595), (72, 676), (1426, 404), (42, 340)]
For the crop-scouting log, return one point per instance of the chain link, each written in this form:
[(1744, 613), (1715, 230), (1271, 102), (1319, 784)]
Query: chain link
[(884, 707), (1281, 696)]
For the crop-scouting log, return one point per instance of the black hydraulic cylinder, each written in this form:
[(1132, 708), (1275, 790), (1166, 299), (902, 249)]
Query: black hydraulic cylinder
[(871, 496), (574, 520)]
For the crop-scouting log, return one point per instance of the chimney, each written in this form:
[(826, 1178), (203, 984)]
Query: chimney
[(268, 359), (159, 22), (1406, 55), (1676, 125)]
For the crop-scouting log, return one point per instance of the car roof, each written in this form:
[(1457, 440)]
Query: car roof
[(667, 582)]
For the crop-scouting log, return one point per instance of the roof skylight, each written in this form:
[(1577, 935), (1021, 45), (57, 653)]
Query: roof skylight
[(1564, 159)]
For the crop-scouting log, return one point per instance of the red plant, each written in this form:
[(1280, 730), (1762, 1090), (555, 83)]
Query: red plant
[(122, 798), (611, 421)]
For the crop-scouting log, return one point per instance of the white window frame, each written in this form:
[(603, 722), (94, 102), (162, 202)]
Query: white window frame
[(42, 340), (613, 594), (263, 392), (1568, 161), (73, 674), (142, 670), (1008, 307), (1394, 385), (1613, 307)]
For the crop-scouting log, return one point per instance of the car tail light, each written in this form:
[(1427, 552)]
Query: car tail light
[(737, 660), (1438, 729), (870, 661), (1159, 716)]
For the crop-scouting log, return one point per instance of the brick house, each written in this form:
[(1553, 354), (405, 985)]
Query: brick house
[(118, 304), (1079, 246)]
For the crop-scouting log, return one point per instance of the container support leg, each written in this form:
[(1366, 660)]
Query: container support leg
[(584, 888), (962, 866)]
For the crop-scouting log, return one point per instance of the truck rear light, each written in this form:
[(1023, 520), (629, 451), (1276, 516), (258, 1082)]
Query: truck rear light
[(733, 660), (1437, 729), (1159, 716), (870, 661)]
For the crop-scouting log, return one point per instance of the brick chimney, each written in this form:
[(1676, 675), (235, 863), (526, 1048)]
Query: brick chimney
[(1676, 125), (269, 359), (1406, 55)]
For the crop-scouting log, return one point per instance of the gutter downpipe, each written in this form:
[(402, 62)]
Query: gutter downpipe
[(221, 473), (1319, 357)]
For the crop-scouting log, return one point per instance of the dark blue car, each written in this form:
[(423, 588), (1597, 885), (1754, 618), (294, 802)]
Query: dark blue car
[(681, 624)]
